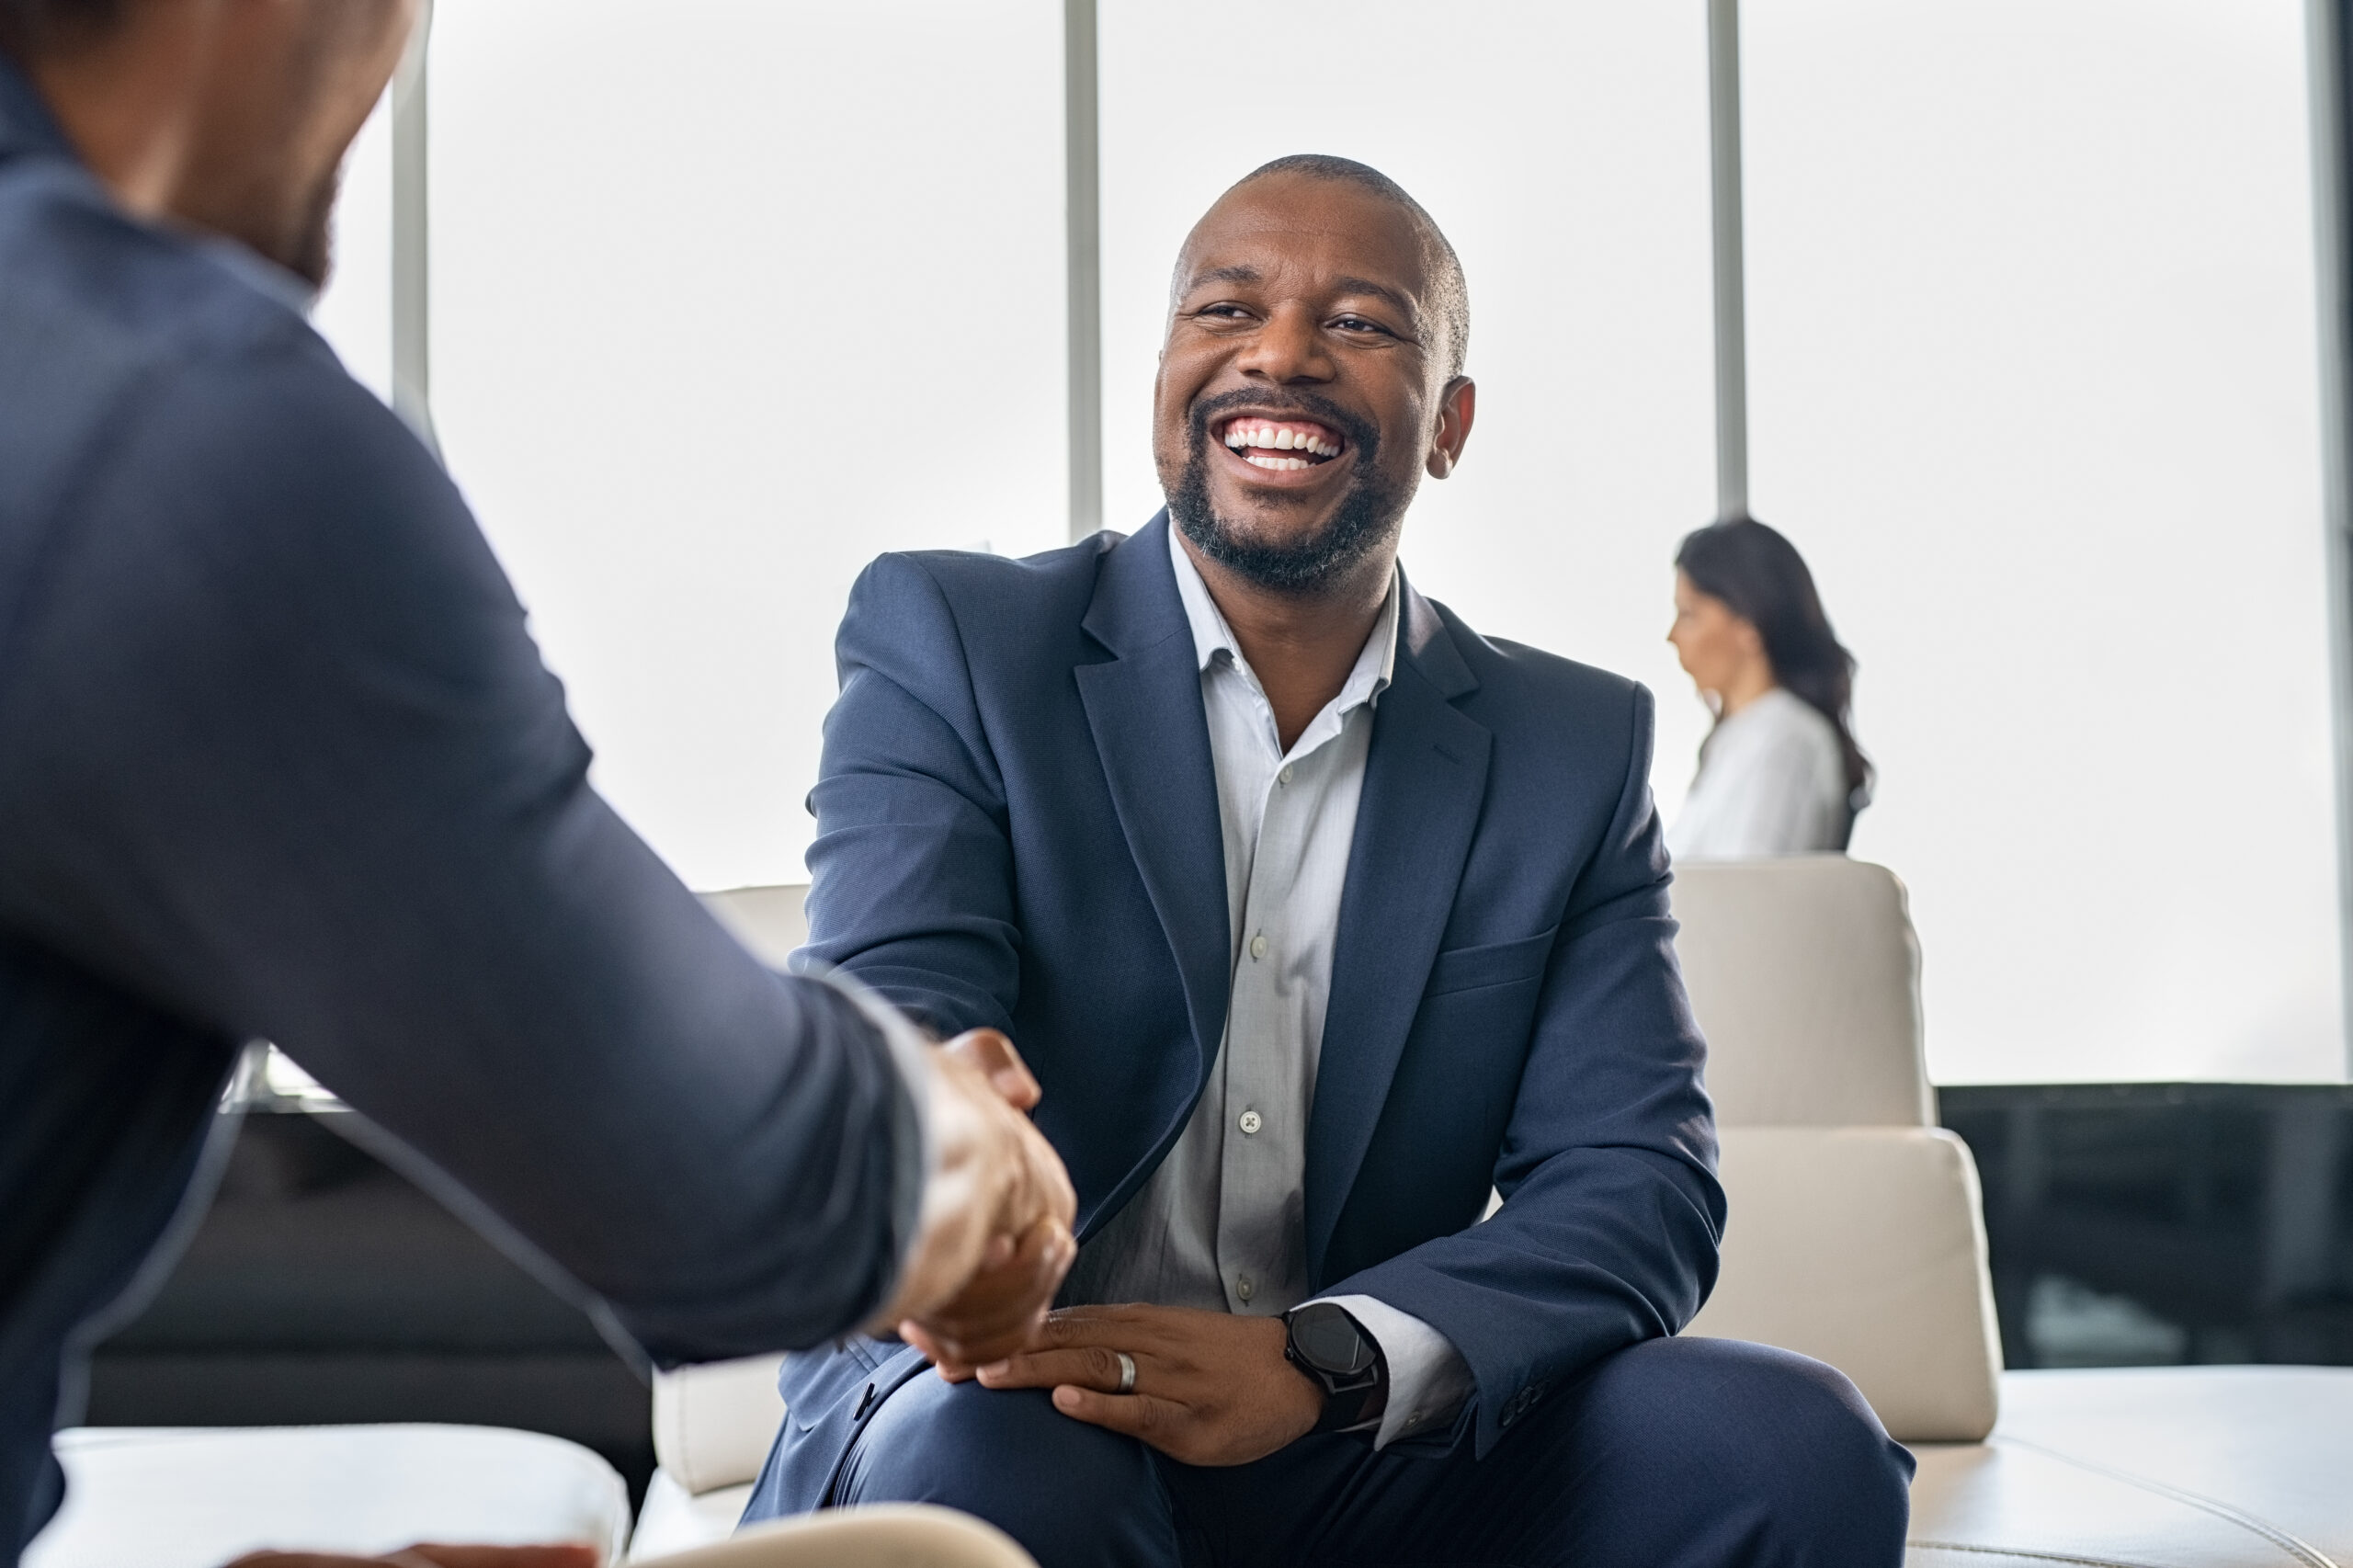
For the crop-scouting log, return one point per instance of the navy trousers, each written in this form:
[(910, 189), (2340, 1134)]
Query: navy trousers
[(1672, 1454)]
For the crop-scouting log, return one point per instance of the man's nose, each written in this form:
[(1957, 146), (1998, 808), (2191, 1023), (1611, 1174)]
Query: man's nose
[(1288, 348)]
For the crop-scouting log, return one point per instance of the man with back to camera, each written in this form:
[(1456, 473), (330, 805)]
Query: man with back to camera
[(279, 759), (1315, 912)]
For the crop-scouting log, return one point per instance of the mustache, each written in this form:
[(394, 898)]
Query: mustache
[(1362, 438)]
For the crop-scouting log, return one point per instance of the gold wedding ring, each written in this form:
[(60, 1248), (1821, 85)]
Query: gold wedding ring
[(1127, 1371)]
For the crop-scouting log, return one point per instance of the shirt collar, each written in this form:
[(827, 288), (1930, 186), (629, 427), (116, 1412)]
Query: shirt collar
[(1211, 636), (258, 272)]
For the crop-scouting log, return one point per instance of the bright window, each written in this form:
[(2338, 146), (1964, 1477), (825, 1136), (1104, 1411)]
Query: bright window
[(723, 305), (355, 312), (2034, 385)]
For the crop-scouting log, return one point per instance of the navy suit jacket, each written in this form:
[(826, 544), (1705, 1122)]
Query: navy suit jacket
[(1017, 827)]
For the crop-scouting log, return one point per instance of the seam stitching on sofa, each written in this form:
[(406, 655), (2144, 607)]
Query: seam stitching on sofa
[(2021, 1551), (2302, 1551)]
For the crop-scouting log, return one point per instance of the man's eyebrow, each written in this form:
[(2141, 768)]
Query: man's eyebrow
[(1412, 311), (1244, 274), (1225, 275)]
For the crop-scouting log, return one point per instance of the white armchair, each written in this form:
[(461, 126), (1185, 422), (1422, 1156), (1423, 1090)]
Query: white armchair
[(1856, 1237)]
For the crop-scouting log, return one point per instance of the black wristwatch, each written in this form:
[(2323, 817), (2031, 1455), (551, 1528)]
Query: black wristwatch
[(1322, 1341)]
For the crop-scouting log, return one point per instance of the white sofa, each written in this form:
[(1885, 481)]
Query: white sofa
[(200, 1497), (1855, 1236)]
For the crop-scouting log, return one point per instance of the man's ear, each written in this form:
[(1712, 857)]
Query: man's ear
[(1456, 406)]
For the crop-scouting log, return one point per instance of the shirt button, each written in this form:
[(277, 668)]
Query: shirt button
[(1245, 1286), (1259, 947), (1251, 1121), (1284, 777)]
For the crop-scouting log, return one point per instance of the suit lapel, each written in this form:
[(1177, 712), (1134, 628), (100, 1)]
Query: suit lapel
[(1145, 709), (1424, 777)]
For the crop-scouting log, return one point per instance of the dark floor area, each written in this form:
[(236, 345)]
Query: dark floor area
[(2133, 1224), (322, 1287)]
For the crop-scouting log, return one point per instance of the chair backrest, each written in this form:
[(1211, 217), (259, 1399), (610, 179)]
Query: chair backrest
[(1805, 977), (1856, 1234), (769, 921), (713, 1425)]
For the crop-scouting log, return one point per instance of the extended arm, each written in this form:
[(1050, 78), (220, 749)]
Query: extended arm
[(282, 759), (912, 869)]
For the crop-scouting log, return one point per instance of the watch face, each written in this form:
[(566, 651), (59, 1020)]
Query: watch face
[(1327, 1337)]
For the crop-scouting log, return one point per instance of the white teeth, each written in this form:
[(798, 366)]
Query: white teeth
[(1245, 437), (1259, 459)]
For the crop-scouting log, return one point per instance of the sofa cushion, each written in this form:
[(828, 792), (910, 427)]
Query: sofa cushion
[(197, 1497), (1863, 1247), (890, 1535), (2172, 1467), (713, 1425), (674, 1520)]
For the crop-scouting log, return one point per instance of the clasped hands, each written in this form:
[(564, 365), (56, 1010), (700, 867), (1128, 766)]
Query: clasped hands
[(1209, 1388)]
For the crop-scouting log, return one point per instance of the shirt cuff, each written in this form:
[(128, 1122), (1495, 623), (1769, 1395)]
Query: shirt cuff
[(1428, 1380)]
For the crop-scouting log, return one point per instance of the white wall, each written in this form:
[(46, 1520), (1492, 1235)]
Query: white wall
[(2034, 385)]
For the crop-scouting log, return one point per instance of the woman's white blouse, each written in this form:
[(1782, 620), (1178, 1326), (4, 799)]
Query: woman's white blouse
[(1772, 781)]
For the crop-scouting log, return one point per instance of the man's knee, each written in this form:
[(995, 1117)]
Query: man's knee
[(1783, 1442), (1069, 1492)]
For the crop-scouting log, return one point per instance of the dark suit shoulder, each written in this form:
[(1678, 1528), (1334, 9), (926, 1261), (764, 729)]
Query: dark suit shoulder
[(971, 582), (1003, 612)]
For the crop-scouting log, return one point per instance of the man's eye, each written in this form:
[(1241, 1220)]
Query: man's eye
[(1223, 313), (1358, 323)]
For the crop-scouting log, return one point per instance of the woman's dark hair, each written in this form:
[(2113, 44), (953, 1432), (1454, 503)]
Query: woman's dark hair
[(1763, 579)]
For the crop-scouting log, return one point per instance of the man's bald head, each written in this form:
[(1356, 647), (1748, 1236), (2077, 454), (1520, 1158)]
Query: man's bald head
[(1449, 295), (1310, 380)]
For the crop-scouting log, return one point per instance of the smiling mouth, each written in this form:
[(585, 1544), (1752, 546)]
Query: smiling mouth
[(1281, 445)]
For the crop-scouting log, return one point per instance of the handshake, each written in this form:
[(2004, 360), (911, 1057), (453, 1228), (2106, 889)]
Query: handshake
[(994, 1238)]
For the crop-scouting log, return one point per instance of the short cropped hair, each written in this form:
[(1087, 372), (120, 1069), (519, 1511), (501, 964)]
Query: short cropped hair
[(1451, 290), (28, 27)]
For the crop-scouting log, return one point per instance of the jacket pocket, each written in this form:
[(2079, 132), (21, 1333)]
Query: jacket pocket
[(1491, 963)]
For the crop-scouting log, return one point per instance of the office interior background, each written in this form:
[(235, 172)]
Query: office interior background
[(2036, 363)]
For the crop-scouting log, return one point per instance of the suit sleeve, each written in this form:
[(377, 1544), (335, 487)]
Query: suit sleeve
[(282, 758), (1612, 1213), (911, 886)]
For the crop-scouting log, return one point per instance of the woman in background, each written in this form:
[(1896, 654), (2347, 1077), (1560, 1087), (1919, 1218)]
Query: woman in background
[(1781, 773)]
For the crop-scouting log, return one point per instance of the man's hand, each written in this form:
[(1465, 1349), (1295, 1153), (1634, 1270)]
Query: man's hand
[(994, 1240), (432, 1557), (1211, 1389)]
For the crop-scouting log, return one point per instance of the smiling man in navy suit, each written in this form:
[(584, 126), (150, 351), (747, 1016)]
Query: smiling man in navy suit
[(1317, 915)]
